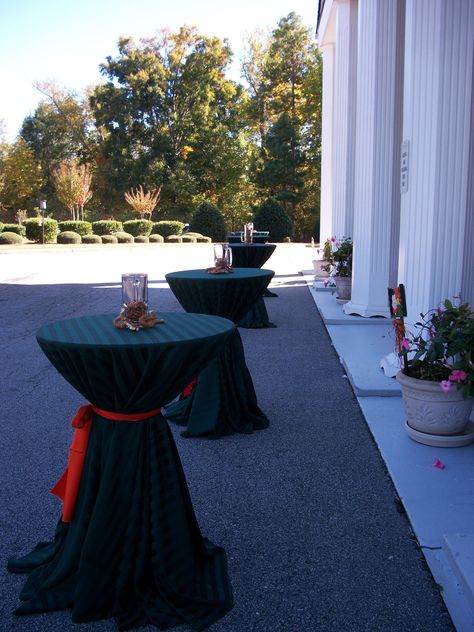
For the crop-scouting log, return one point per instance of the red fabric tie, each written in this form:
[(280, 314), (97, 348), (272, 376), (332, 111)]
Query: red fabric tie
[(67, 487)]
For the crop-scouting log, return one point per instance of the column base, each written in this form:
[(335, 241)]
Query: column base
[(365, 310)]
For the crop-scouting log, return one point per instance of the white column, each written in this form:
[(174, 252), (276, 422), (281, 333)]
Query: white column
[(325, 230), (436, 226), (377, 155), (344, 117)]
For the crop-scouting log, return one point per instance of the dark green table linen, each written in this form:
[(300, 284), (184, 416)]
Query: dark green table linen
[(224, 400), (133, 550), (254, 256)]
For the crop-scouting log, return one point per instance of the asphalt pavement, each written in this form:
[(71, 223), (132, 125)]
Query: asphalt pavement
[(316, 537)]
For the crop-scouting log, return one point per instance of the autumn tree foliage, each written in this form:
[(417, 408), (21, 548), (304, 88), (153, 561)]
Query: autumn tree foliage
[(143, 202), (73, 186)]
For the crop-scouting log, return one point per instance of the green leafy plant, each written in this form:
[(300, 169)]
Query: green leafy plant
[(154, 238), (69, 237), (271, 216), (208, 220), (124, 238), (38, 229), (19, 229), (138, 227), (340, 257), (168, 227), (91, 239), (106, 227), (80, 227), (109, 239), (442, 348), (10, 239)]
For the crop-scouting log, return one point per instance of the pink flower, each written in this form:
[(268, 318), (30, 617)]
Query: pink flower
[(405, 343), (458, 376), (431, 332), (439, 464), (445, 386)]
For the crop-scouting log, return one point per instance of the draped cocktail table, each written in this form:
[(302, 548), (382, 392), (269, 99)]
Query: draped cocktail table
[(224, 400), (130, 546), (254, 256)]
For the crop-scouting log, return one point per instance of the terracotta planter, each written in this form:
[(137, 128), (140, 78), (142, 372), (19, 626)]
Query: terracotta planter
[(430, 410), (344, 286)]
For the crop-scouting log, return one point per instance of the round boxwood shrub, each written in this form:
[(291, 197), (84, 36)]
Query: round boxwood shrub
[(35, 226), (168, 227), (8, 238), (109, 239), (69, 237), (190, 239), (174, 239), (124, 238), (91, 239), (138, 227), (271, 216), (208, 220), (154, 238), (106, 227), (141, 239), (79, 227), (1, 226), (199, 238), (19, 229)]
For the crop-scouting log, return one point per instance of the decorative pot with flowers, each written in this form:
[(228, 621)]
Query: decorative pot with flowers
[(340, 266), (437, 381)]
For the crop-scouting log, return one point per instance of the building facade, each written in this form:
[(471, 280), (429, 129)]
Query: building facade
[(397, 172)]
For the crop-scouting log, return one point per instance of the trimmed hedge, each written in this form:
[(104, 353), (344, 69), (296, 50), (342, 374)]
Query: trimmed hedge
[(79, 227), (1, 226), (199, 238), (174, 239), (109, 239), (168, 228), (69, 237), (190, 239), (208, 220), (271, 215), (106, 227), (91, 239), (138, 227), (124, 238), (154, 238), (19, 229), (141, 239), (34, 229), (9, 239)]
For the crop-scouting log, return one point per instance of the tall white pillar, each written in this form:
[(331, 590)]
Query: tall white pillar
[(436, 227), (327, 143), (377, 155), (344, 117)]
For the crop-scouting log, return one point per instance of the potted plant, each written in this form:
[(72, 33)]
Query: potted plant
[(340, 267), (321, 266), (437, 381)]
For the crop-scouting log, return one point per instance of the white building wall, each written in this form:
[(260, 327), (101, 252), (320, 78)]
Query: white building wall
[(345, 62), (378, 134), (436, 209)]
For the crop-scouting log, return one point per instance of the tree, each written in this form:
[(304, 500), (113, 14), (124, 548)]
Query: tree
[(287, 164), (143, 202), (21, 177), (164, 109), (59, 130), (72, 183)]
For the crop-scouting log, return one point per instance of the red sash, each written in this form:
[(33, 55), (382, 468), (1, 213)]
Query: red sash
[(67, 487)]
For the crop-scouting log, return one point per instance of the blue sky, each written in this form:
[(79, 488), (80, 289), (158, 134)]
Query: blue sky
[(66, 40)]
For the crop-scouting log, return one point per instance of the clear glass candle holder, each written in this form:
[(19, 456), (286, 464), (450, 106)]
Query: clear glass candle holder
[(135, 295), (222, 255)]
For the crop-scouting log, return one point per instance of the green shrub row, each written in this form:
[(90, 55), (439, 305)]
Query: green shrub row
[(8, 238)]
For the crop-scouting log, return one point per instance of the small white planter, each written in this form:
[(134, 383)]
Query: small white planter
[(318, 265), (431, 411)]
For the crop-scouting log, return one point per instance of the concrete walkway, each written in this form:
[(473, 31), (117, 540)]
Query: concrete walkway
[(316, 535)]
